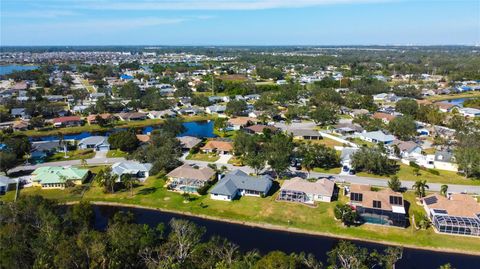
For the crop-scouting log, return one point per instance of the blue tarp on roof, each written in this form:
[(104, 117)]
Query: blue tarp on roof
[(126, 77)]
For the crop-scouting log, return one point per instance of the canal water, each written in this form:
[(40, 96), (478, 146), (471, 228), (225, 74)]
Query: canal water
[(199, 129), (265, 240), (7, 69)]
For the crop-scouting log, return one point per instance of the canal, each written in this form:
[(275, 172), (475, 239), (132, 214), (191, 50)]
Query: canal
[(265, 240)]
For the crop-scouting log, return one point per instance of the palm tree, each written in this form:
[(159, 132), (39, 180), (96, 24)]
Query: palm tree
[(443, 190), (308, 160), (419, 187), (129, 182), (62, 143), (106, 180)]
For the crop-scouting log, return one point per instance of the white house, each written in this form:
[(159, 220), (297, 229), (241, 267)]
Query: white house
[(308, 192), (377, 137), (469, 112), (238, 183), (97, 143), (444, 160)]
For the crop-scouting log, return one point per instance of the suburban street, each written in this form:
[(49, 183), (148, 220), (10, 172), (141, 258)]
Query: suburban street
[(355, 179)]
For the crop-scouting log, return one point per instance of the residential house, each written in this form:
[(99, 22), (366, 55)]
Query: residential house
[(97, 143), (135, 169), (305, 191), (240, 122), (92, 119), (377, 137), (445, 107), (238, 183), (445, 160), (161, 114), (215, 109), (358, 112), (20, 125), (56, 177), (347, 129), (6, 184), (132, 116), (386, 118), (384, 207), (18, 112), (218, 146), (469, 112), (406, 149), (189, 142), (186, 178), (305, 134), (259, 128), (346, 157), (143, 138), (457, 214), (67, 121)]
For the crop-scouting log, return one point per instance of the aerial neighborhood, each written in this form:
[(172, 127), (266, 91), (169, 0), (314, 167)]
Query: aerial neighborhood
[(272, 137)]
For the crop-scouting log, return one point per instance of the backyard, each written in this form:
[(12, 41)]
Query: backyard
[(268, 212)]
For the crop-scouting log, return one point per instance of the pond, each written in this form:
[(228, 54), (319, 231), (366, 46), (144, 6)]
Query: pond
[(458, 102), (7, 69), (264, 240), (200, 129)]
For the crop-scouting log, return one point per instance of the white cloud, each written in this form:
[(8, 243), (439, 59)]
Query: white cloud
[(42, 14), (212, 4)]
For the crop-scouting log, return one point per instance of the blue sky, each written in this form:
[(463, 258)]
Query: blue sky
[(239, 22)]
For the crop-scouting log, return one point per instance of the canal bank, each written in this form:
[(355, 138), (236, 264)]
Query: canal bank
[(267, 238), (273, 227)]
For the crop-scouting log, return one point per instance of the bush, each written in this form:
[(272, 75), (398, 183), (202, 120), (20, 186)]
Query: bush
[(204, 190), (414, 164), (434, 172)]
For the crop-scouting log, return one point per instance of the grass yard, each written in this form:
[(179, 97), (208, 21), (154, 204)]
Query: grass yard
[(447, 177), (327, 142), (206, 157), (72, 155), (335, 170), (116, 153), (470, 94), (268, 211)]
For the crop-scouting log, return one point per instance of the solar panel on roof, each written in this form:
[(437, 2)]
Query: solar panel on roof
[(430, 200), (440, 211)]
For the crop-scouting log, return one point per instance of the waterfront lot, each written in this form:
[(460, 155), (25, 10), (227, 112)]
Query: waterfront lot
[(267, 211)]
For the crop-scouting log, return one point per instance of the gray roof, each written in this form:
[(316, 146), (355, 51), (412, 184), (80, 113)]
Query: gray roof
[(45, 145), (18, 111), (379, 136), (130, 167), (239, 180), (304, 132), (94, 140), (347, 153), (5, 181), (189, 141), (444, 156)]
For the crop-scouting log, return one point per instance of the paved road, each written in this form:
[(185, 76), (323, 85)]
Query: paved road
[(380, 182), (93, 161)]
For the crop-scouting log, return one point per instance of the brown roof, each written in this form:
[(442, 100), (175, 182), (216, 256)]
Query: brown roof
[(459, 205), (66, 119), (104, 116), (143, 138), (258, 128), (424, 102), (369, 196), (186, 171), (323, 186), (383, 116), (241, 121), (221, 145), (189, 141), (443, 105)]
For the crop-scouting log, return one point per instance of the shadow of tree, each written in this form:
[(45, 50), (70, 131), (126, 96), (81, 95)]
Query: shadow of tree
[(147, 191)]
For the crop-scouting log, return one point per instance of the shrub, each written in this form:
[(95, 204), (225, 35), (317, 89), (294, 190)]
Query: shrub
[(434, 172), (413, 164)]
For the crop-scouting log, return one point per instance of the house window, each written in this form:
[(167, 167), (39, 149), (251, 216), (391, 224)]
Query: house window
[(357, 197), (395, 200), (377, 204)]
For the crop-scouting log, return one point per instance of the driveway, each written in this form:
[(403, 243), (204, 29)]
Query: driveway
[(100, 154), (224, 158)]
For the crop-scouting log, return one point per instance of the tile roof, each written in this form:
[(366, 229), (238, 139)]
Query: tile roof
[(187, 171), (322, 186), (218, 145), (459, 205), (369, 196)]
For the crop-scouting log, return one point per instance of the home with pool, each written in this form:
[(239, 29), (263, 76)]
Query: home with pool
[(238, 183), (138, 170), (457, 213), (189, 178), (307, 191), (58, 177), (384, 207)]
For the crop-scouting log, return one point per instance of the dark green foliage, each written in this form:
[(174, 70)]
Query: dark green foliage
[(236, 108), (345, 213), (403, 127), (124, 140), (372, 160), (407, 107)]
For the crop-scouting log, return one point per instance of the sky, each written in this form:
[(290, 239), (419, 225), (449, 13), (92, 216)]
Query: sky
[(239, 22)]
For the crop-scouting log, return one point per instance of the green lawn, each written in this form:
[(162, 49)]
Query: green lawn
[(327, 142), (335, 170), (454, 96), (447, 177), (72, 155), (267, 211), (206, 157), (116, 153)]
